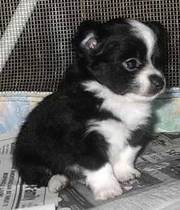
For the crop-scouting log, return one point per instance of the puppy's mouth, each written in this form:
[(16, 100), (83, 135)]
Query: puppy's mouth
[(150, 92), (153, 93)]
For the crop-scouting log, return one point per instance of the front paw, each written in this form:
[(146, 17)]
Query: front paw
[(103, 183), (110, 190), (126, 173)]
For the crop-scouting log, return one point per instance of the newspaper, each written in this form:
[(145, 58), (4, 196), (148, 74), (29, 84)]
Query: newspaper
[(160, 165), (13, 193)]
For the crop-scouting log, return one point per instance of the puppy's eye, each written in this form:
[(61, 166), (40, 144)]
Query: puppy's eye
[(131, 64)]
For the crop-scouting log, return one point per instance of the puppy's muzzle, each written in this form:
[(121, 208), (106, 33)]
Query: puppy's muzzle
[(157, 83)]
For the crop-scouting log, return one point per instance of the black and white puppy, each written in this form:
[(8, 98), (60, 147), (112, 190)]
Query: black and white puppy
[(100, 122)]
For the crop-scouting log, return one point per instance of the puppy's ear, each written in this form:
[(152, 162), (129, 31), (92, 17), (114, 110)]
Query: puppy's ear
[(90, 42), (157, 28), (161, 33), (87, 37), (162, 41)]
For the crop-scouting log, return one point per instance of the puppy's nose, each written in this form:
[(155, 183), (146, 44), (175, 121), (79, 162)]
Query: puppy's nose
[(157, 82)]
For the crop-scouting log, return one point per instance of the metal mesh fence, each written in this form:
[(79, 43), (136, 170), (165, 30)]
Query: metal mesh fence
[(35, 44)]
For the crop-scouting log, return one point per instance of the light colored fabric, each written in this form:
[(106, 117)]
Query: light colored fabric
[(14, 107), (168, 114)]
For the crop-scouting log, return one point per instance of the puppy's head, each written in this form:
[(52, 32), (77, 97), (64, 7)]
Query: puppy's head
[(126, 56)]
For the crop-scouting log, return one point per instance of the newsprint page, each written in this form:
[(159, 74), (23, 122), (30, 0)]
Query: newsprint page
[(158, 188)]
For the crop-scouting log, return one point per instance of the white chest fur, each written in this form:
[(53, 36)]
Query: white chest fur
[(114, 132), (131, 111), (132, 114)]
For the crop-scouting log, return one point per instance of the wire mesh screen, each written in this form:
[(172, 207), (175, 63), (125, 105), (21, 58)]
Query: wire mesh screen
[(35, 44)]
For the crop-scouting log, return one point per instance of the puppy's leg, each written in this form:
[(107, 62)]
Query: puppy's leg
[(34, 174), (124, 167), (57, 183), (103, 182)]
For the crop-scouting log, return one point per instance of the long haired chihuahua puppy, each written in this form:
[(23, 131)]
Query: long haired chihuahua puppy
[(100, 121)]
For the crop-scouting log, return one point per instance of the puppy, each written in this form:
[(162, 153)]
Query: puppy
[(100, 121)]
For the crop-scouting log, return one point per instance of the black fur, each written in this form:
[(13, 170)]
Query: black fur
[(142, 135), (54, 136)]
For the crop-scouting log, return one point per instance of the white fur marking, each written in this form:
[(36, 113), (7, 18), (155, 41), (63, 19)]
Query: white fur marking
[(146, 34), (143, 79), (122, 106), (131, 113), (124, 168), (103, 183), (115, 133)]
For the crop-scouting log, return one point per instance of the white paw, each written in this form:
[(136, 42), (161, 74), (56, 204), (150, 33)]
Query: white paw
[(126, 173), (108, 191), (103, 183), (105, 188), (57, 182)]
